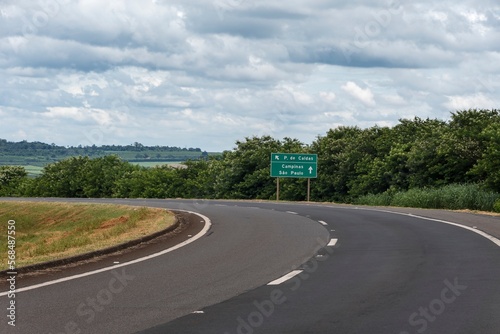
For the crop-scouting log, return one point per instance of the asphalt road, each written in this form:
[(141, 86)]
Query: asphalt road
[(382, 273)]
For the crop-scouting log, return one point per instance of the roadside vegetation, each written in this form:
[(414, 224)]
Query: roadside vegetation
[(50, 231), (432, 163), (453, 197)]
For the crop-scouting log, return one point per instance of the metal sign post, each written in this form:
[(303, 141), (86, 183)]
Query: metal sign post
[(308, 189), (277, 189)]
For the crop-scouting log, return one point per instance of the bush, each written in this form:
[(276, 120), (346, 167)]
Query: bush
[(383, 199), (496, 206), (453, 197)]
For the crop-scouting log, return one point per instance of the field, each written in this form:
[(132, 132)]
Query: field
[(33, 170), (33, 156), (50, 231), (151, 164), (155, 155), (34, 163)]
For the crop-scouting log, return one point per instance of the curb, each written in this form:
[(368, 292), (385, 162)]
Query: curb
[(105, 251)]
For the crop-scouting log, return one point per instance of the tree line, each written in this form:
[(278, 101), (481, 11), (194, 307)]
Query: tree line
[(25, 148), (352, 162)]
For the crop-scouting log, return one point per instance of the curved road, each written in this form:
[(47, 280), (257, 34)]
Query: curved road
[(366, 272)]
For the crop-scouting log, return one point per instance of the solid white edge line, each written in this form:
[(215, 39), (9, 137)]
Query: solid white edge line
[(496, 241), (493, 239), (333, 242), (285, 277), (322, 222), (163, 252)]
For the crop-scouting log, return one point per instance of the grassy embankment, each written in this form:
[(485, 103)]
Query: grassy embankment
[(50, 231), (452, 197)]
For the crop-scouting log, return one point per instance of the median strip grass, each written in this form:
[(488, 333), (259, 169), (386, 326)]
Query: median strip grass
[(52, 231)]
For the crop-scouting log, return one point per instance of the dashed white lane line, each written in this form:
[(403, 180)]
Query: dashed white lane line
[(291, 212), (333, 242), (323, 223), (285, 277)]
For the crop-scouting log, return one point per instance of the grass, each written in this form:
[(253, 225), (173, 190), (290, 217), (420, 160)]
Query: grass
[(50, 231), (452, 197)]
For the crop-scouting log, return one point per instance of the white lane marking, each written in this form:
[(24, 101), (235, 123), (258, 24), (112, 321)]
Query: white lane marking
[(293, 213), (323, 223), (198, 312), (493, 239), (205, 229), (333, 242), (285, 277), (496, 241)]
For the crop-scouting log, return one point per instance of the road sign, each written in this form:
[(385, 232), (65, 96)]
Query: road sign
[(295, 165)]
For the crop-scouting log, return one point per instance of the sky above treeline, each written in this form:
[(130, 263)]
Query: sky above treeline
[(197, 73)]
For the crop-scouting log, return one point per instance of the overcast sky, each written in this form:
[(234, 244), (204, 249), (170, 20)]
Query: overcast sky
[(200, 73)]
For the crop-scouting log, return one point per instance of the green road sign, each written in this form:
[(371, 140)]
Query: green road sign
[(294, 165)]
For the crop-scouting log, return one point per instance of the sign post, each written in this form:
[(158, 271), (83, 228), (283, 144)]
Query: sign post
[(308, 189), (294, 165), (277, 189)]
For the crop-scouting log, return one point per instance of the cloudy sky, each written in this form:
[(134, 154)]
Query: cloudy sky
[(200, 73)]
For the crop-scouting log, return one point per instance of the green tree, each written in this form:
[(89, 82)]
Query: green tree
[(99, 175), (335, 168), (367, 153), (426, 162), (487, 168), (81, 177), (62, 179), (467, 142), (11, 177), (244, 172)]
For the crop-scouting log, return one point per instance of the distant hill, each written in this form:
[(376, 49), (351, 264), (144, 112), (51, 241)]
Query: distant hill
[(26, 153)]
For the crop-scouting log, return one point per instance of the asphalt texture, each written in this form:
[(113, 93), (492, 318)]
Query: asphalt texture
[(242, 250), (387, 273)]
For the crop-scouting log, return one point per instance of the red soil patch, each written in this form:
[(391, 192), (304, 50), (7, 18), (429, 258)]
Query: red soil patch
[(113, 222)]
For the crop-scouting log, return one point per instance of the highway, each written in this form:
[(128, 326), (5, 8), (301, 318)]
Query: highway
[(347, 270)]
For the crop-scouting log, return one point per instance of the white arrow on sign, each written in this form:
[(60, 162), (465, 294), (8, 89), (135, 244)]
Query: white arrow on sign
[(277, 157), (310, 169)]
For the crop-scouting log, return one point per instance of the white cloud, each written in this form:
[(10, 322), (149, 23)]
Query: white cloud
[(364, 95), (179, 73), (98, 116), (396, 100), (478, 101), (328, 96)]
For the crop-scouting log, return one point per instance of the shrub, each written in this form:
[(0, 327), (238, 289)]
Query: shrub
[(453, 197), (496, 206)]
